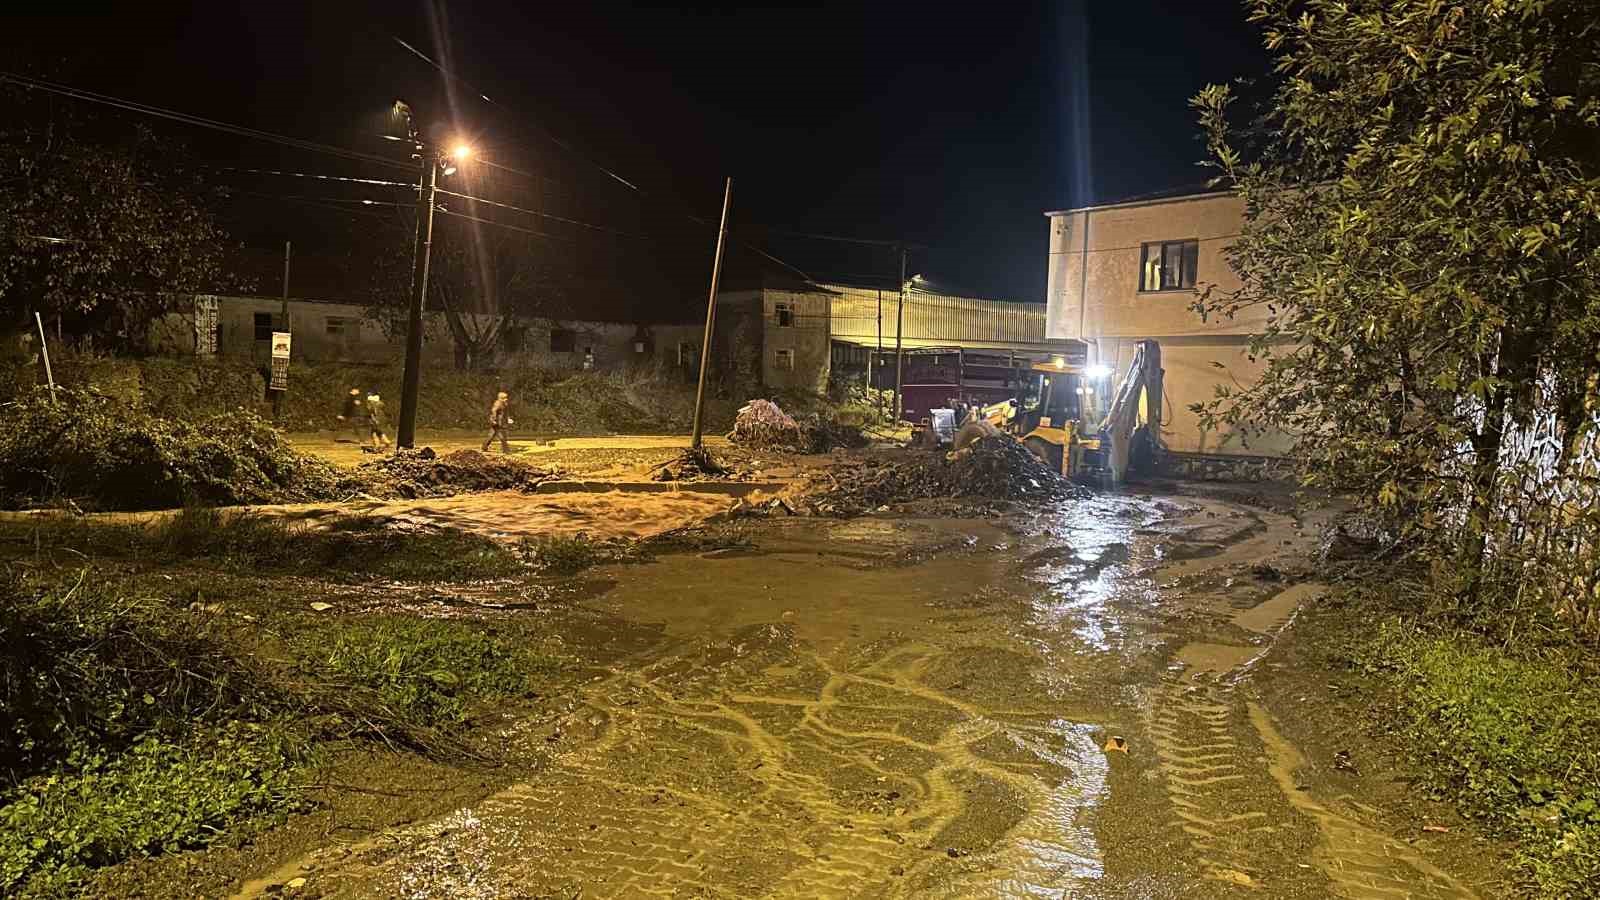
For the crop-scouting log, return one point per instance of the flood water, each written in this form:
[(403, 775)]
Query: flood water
[(1048, 706)]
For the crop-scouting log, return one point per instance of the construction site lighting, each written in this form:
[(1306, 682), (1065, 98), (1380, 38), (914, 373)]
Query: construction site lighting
[(1097, 371), (1059, 362), (461, 152)]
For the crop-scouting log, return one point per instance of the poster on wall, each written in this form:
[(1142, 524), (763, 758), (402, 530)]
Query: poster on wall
[(280, 361), (206, 318)]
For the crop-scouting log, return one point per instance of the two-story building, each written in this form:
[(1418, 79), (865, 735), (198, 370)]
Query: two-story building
[(1124, 272)]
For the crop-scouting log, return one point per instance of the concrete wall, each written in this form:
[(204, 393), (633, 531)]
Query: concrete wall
[(797, 351), (341, 332), (1102, 303)]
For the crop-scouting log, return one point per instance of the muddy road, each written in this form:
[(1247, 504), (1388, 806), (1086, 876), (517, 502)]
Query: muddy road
[(1056, 705)]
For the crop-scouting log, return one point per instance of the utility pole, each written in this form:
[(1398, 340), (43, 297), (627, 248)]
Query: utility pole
[(899, 354), (405, 435), (711, 318), (277, 396)]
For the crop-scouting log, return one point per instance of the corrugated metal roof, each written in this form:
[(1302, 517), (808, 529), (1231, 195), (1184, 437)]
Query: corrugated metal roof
[(860, 315)]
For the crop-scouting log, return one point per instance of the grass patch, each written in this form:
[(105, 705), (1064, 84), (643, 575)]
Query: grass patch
[(1510, 740), (561, 555), (160, 796), (426, 673), (242, 540), (133, 725)]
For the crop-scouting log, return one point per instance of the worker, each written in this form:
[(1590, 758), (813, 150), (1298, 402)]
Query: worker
[(376, 423), (352, 416), (499, 420)]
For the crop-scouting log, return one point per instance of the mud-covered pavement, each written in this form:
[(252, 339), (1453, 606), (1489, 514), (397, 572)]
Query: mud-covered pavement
[(1052, 705)]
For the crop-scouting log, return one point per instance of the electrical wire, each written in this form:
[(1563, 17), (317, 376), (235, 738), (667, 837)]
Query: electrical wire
[(374, 181), (197, 121), (506, 225), (589, 225)]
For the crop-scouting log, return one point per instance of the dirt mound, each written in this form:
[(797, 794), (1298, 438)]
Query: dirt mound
[(995, 468), (422, 473)]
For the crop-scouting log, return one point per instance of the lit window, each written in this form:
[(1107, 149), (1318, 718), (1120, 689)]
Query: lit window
[(785, 315), (784, 360), (1169, 266)]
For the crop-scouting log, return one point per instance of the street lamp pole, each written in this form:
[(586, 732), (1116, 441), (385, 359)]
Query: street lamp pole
[(426, 190)]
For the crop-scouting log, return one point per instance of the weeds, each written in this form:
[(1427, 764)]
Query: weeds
[(1509, 739), (560, 555), (346, 547)]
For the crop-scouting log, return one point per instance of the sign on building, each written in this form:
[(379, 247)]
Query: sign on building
[(207, 315), (280, 361)]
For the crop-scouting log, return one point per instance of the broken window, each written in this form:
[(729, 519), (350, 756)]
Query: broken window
[(784, 361), (563, 340), (785, 315), (1169, 266)]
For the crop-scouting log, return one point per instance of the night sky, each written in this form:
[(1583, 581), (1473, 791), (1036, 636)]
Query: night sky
[(952, 126)]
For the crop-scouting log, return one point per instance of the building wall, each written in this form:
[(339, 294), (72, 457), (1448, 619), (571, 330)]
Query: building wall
[(341, 332), (797, 350), (866, 315), (1102, 303)]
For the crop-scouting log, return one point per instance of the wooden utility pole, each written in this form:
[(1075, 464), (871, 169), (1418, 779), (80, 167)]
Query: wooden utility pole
[(406, 434), (711, 319), (899, 354)]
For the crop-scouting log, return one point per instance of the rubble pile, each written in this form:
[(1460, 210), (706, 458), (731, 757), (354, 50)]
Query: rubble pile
[(762, 425), (692, 465), (995, 468), (412, 474)]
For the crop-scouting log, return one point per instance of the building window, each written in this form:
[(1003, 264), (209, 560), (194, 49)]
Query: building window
[(264, 329), (1169, 266), (784, 361), (686, 354), (563, 340), (342, 327), (785, 315), (511, 340)]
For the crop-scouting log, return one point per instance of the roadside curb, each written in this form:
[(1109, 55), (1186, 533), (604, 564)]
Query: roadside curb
[(723, 488)]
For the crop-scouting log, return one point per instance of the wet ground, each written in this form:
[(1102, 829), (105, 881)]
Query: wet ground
[(1056, 705)]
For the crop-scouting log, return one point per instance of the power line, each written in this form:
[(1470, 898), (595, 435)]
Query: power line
[(544, 131), (506, 225), (531, 212), (197, 121), (374, 181)]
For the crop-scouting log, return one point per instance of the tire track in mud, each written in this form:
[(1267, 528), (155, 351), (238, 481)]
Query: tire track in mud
[(769, 771)]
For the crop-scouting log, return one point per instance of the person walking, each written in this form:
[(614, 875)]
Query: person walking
[(499, 420), (352, 416), (377, 423)]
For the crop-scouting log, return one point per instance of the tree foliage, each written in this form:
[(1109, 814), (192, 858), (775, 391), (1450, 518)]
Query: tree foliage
[(104, 235), (1423, 230)]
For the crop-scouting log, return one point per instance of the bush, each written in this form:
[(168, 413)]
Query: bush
[(1511, 741), (106, 454)]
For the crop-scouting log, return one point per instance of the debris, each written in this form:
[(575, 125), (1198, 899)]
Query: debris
[(996, 467), (319, 606), (1437, 829), (762, 425), (1116, 743), (295, 884), (691, 465), (423, 473)]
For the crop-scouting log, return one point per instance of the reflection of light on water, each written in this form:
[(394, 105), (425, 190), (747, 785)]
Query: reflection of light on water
[(1082, 589), (1055, 846)]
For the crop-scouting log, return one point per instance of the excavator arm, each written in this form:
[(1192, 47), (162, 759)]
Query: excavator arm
[(1131, 431)]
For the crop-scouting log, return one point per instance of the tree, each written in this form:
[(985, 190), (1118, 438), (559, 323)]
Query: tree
[(485, 278), (1423, 227), (107, 237)]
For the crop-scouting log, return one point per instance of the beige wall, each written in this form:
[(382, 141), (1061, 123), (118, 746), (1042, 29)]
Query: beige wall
[(805, 338), (1102, 304)]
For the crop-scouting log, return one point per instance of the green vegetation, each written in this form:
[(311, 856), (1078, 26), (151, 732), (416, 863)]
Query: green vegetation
[(84, 447), (138, 719), (560, 555), (1509, 739), (1421, 245), (344, 548)]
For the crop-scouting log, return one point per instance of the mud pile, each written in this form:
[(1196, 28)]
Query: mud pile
[(997, 467), (422, 473)]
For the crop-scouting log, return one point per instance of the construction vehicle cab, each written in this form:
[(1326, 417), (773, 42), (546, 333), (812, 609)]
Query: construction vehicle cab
[(1088, 431)]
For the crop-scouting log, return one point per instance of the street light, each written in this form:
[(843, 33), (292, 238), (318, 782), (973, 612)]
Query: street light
[(433, 165)]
